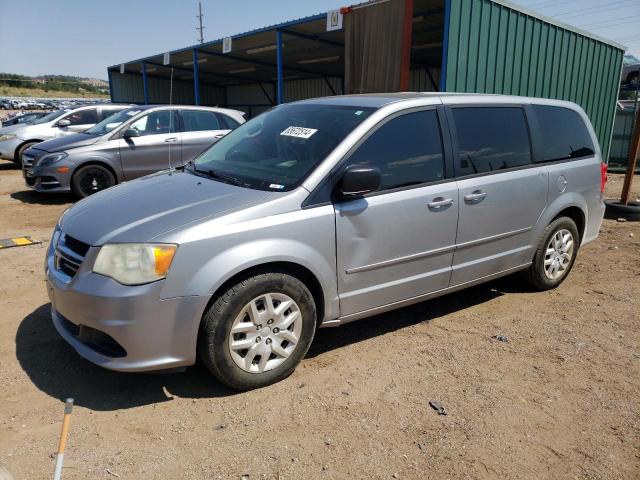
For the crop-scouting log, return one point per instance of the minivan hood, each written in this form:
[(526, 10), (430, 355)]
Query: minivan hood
[(142, 209), (68, 142)]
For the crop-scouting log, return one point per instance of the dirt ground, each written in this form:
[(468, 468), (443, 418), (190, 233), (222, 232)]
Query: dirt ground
[(560, 399)]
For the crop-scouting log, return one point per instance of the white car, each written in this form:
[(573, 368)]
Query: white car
[(16, 139)]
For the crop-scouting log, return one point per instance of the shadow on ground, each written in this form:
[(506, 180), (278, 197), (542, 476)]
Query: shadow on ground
[(37, 198), (8, 165), (57, 370)]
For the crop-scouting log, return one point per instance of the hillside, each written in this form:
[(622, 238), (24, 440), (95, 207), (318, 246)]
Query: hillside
[(13, 85)]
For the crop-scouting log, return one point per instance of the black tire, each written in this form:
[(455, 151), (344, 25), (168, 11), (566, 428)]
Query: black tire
[(535, 275), (215, 329), (91, 179), (21, 150), (614, 209)]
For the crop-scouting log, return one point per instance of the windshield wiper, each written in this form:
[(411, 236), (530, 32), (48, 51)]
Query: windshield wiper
[(221, 176)]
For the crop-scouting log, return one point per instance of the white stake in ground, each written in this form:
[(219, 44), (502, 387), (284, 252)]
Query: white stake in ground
[(68, 406)]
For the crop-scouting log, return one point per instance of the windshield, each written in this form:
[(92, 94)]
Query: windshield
[(109, 123), (278, 149), (50, 116)]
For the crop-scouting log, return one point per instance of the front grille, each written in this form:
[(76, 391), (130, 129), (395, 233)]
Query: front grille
[(76, 246), (69, 254)]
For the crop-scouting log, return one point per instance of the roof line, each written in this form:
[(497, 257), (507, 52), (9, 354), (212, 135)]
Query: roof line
[(558, 23), (289, 23)]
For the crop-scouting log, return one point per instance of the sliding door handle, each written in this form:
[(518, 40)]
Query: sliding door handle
[(440, 202)]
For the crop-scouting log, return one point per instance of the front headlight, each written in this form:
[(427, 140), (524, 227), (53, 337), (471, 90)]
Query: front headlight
[(134, 263), (52, 158), (6, 137)]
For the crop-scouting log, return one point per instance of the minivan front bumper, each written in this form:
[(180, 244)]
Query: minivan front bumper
[(125, 328)]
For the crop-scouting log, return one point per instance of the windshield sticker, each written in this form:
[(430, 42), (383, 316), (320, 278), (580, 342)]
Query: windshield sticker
[(359, 112), (299, 132), (276, 186)]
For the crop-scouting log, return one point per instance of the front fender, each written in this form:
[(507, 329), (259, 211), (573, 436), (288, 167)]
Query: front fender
[(203, 266)]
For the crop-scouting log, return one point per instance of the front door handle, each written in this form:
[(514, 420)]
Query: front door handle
[(440, 202), (219, 135), (171, 140), (475, 196)]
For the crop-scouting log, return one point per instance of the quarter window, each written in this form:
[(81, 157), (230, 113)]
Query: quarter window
[(490, 139), (407, 150), (199, 120), (563, 134), (227, 122)]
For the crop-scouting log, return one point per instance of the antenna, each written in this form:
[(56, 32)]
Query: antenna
[(170, 112), (199, 17)]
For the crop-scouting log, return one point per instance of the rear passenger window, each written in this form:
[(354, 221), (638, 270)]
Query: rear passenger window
[(199, 120), (407, 150), (490, 139), (563, 134)]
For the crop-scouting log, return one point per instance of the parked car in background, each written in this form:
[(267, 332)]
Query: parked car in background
[(130, 144), (318, 213), (630, 70), (18, 138), (22, 119)]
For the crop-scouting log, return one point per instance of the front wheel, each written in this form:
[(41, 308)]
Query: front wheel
[(555, 255), (256, 332), (91, 179)]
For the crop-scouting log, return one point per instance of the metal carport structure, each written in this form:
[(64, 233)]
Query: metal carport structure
[(484, 46)]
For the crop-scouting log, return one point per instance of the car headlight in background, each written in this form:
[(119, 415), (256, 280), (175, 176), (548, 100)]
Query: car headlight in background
[(134, 263), (6, 137), (52, 158)]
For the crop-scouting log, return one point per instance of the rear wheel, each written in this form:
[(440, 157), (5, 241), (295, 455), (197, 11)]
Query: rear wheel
[(21, 150), (91, 179), (256, 332), (555, 255)]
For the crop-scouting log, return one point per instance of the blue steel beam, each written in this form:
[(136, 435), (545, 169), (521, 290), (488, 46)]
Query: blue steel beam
[(110, 73), (196, 78), (279, 98)]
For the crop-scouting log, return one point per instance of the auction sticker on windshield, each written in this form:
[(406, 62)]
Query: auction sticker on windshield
[(299, 132)]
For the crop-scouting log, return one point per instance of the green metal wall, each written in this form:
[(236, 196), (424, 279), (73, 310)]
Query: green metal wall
[(494, 48)]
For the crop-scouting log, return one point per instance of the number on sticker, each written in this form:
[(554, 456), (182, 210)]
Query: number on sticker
[(299, 132)]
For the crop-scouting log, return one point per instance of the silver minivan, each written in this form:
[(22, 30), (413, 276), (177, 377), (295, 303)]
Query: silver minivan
[(14, 140), (130, 144), (318, 213)]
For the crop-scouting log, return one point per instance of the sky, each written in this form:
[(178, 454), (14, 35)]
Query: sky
[(83, 37)]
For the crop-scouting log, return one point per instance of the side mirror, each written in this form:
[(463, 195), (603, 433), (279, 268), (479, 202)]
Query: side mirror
[(131, 132), (64, 123), (358, 180)]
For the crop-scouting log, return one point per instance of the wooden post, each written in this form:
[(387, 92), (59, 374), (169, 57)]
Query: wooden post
[(68, 406), (634, 151)]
